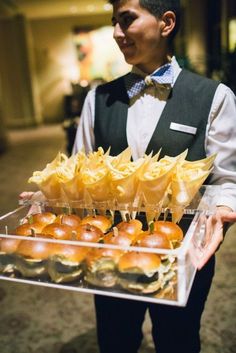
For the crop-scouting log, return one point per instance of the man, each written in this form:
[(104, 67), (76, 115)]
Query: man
[(158, 105)]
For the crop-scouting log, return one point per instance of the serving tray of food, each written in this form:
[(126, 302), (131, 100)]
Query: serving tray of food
[(107, 225)]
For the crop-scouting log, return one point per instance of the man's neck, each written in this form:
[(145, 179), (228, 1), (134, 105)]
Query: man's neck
[(143, 73)]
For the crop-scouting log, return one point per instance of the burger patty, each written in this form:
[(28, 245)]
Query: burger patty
[(101, 278), (138, 278), (64, 268)]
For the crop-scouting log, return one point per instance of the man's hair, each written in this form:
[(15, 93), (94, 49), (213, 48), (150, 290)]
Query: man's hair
[(159, 7)]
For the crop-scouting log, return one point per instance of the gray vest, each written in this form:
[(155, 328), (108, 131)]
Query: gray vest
[(189, 104)]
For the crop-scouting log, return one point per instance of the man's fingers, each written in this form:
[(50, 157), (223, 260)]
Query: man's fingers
[(211, 247), (26, 195), (207, 254), (229, 217)]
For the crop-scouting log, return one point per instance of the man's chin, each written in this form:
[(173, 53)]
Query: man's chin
[(129, 56)]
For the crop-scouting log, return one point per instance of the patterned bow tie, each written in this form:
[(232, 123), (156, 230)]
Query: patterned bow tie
[(135, 83)]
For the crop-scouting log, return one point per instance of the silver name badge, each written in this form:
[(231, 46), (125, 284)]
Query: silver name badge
[(183, 128)]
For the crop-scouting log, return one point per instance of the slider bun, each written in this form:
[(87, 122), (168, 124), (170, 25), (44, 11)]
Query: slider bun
[(71, 220), (155, 240), (28, 229), (9, 245), (139, 262), (58, 231), (88, 233), (35, 249), (133, 227), (170, 229), (117, 237), (100, 221), (97, 253), (43, 217), (72, 253)]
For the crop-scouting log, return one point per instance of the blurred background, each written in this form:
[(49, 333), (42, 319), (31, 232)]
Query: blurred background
[(51, 53)]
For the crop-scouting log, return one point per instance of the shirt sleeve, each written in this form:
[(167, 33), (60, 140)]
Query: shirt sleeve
[(84, 138), (221, 139)]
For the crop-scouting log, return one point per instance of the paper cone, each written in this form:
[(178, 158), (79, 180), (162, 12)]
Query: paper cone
[(47, 180), (74, 188), (203, 164), (51, 188), (155, 180), (99, 191), (94, 176), (183, 191), (124, 190), (123, 157), (125, 180), (70, 177)]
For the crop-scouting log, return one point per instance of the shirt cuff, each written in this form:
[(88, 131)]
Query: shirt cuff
[(227, 196)]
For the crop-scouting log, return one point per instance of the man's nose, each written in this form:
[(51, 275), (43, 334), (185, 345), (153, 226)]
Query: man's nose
[(118, 32)]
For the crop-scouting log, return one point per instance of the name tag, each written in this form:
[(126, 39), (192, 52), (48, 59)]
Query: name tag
[(183, 128)]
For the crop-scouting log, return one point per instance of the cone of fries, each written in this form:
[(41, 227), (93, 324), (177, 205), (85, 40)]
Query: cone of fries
[(186, 181), (155, 182), (125, 179), (169, 183), (47, 180), (95, 176), (71, 179)]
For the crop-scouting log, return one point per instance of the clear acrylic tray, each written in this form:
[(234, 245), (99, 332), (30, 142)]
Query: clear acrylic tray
[(204, 200), (178, 265)]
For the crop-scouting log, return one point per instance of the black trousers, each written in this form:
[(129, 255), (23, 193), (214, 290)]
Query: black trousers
[(174, 329)]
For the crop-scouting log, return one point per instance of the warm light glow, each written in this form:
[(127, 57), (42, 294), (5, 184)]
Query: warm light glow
[(107, 7), (84, 83), (73, 9), (232, 34), (91, 8)]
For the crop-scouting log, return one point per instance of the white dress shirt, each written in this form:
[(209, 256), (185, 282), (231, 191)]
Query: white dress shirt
[(144, 112)]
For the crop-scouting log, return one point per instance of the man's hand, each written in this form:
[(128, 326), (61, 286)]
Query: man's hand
[(215, 232), (32, 196), (26, 195)]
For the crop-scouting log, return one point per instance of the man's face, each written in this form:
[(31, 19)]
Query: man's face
[(138, 34)]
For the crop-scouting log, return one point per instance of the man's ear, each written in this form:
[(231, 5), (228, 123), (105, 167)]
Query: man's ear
[(168, 23)]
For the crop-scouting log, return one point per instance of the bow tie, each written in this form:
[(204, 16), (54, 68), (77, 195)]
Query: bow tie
[(135, 83)]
